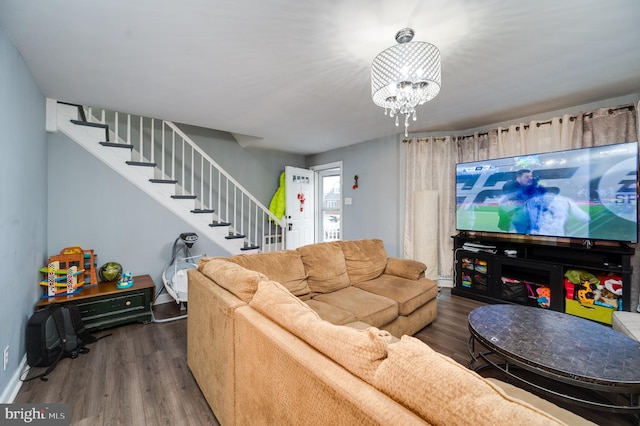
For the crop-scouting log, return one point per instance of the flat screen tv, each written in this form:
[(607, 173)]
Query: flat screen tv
[(588, 193)]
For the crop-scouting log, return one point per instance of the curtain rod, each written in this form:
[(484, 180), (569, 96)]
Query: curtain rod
[(526, 126)]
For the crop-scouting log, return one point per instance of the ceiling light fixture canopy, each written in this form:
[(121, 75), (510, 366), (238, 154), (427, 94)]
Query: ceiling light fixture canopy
[(404, 76)]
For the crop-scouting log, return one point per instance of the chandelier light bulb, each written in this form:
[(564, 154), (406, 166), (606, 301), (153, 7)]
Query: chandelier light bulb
[(405, 75)]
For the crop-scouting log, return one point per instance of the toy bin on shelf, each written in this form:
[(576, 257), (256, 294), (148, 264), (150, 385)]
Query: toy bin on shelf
[(592, 312)]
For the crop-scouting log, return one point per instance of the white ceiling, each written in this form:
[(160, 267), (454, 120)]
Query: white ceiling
[(294, 75)]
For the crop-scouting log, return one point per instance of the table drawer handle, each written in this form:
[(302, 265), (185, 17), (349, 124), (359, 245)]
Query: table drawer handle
[(128, 302)]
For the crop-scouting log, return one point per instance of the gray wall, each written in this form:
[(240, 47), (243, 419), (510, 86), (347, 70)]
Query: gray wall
[(377, 210), (257, 170), (378, 204), (122, 223), (23, 204)]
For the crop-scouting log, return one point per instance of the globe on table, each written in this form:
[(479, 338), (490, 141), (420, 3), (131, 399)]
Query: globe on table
[(110, 271)]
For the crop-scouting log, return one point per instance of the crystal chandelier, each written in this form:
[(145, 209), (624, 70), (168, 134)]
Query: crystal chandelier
[(404, 76)]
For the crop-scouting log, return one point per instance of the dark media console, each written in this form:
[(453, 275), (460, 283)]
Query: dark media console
[(486, 267)]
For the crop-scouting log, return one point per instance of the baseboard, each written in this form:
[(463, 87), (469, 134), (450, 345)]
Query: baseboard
[(163, 298), (445, 282), (13, 387)]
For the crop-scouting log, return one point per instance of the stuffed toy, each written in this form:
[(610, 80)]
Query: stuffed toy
[(544, 296)]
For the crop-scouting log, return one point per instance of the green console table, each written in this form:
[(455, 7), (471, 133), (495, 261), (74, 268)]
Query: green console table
[(103, 305)]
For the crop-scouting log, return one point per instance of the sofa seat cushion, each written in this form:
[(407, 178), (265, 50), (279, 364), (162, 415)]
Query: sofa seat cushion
[(331, 313), (283, 266), (367, 307), (413, 371), (359, 351), (240, 281), (409, 294), (325, 266), (365, 259)]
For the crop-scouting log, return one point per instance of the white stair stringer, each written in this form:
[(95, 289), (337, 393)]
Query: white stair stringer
[(145, 171), (90, 137)]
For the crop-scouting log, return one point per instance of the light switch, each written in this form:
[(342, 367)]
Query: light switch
[(348, 201)]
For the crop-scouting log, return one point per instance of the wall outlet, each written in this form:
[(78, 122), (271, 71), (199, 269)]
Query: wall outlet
[(5, 358)]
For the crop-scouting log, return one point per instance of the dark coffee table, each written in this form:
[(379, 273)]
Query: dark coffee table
[(577, 352)]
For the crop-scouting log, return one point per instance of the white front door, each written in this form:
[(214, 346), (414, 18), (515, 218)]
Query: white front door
[(299, 207)]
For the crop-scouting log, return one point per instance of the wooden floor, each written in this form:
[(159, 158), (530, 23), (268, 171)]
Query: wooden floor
[(139, 374)]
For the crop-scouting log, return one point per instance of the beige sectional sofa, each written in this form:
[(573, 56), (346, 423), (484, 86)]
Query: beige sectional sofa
[(321, 335)]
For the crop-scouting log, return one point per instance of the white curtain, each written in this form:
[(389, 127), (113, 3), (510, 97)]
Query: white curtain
[(430, 167), (431, 164)]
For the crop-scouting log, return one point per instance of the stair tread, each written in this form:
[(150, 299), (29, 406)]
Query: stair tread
[(141, 163), (229, 234), (81, 113), (234, 236), (163, 181), (214, 224), (116, 145), (90, 124)]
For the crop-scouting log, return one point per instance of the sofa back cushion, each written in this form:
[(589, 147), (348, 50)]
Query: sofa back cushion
[(359, 351), (325, 266), (405, 268), (240, 281), (365, 259), (283, 266), (412, 371)]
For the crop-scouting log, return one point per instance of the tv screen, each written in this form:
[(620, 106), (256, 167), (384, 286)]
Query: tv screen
[(588, 193)]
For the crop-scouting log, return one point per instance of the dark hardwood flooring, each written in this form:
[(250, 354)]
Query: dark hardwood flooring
[(139, 374), (449, 335)]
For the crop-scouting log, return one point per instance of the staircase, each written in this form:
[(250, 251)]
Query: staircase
[(157, 157)]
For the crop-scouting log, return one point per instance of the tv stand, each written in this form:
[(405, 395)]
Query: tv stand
[(492, 275)]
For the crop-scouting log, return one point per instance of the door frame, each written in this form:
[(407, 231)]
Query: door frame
[(300, 209), (317, 170)]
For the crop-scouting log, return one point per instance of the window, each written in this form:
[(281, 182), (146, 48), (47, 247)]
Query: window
[(329, 203)]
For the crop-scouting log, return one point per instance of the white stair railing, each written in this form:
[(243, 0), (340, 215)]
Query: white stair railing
[(178, 160)]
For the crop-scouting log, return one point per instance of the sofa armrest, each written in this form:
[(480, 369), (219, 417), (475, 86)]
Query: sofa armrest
[(210, 345), (292, 383), (405, 268)]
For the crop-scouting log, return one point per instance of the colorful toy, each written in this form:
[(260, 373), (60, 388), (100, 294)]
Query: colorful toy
[(51, 278), (126, 281), (68, 271), (614, 285), (61, 282), (83, 259), (586, 293), (544, 296)]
